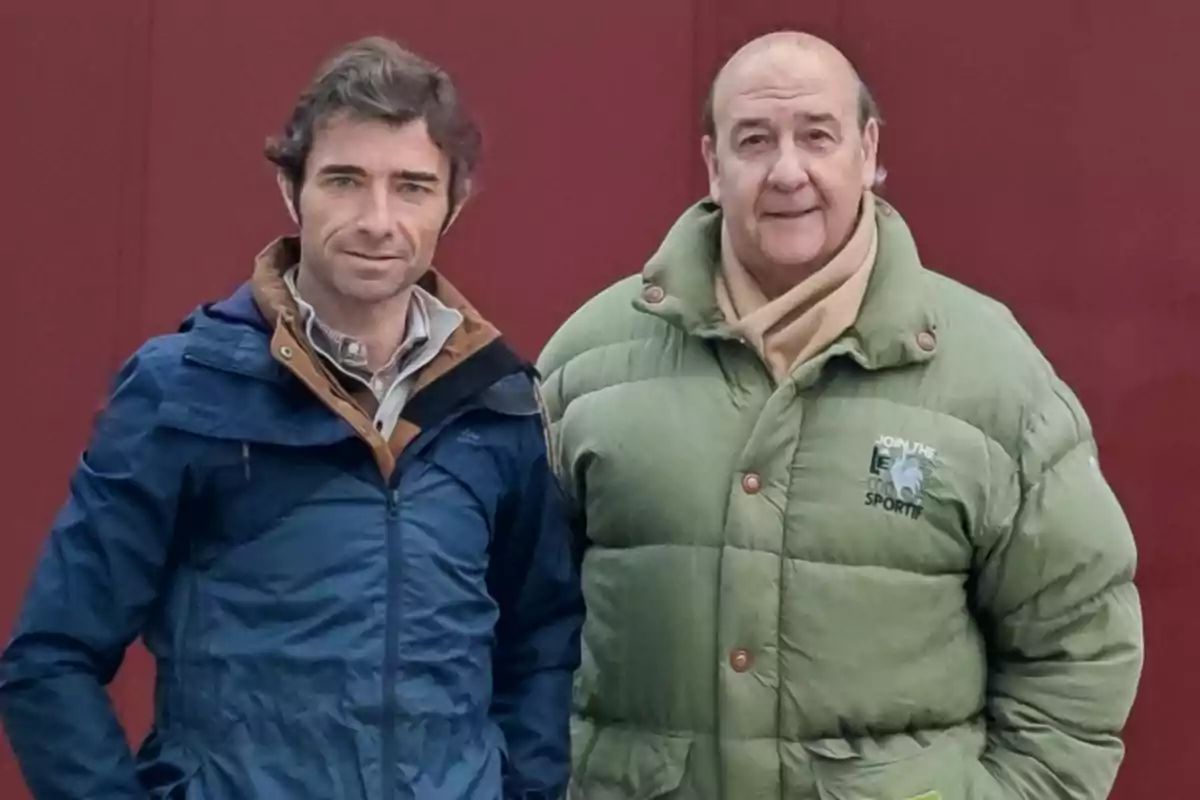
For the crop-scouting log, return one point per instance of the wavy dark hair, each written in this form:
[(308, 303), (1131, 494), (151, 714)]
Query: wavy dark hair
[(377, 79)]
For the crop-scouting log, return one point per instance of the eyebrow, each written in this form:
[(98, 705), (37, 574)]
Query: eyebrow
[(810, 117), (819, 118), (755, 122), (416, 176)]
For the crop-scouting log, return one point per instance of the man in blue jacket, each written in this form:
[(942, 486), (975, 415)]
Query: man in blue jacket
[(324, 504)]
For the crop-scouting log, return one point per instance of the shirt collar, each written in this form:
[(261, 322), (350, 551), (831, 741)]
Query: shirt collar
[(430, 322)]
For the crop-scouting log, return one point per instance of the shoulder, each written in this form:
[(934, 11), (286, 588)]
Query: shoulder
[(514, 395), (206, 337), (980, 332), (976, 323), (607, 318), (146, 372), (524, 435), (176, 379), (518, 397), (1004, 381), (607, 342), (126, 433)]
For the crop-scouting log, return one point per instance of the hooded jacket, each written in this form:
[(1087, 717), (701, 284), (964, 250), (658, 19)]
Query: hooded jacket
[(326, 622)]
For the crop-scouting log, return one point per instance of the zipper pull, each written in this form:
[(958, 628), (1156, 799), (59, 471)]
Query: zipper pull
[(246, 459)]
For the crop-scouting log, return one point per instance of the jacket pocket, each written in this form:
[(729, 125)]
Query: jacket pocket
[(614, 763), (167, 770), (935, 772)]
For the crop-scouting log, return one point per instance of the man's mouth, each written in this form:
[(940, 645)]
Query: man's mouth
[(373, 256), (789, 214)]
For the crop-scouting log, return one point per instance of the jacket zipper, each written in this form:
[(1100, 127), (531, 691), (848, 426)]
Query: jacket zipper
[(392, 613)]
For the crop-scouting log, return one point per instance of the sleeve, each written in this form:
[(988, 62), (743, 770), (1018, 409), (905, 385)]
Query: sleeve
[(553, 407), (538, 633), (1058, 604), (90, 593)]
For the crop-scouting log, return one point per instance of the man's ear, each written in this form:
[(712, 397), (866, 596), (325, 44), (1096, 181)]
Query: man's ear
[(870, 146), (458, 206), (287, 189), (708, 149)]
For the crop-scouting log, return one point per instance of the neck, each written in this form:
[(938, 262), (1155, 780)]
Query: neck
[(379, 326), (788, 324), (772, 283)]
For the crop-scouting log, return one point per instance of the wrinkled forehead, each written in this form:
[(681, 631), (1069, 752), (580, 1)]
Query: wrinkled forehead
[(375, 145), (784, 81)]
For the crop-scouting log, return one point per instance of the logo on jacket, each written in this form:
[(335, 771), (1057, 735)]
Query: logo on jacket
[(899, 468)]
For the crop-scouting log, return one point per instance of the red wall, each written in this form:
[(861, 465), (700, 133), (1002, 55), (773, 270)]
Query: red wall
[(1043, 152)]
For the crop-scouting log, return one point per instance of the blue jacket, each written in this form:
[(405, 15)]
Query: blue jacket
[(319, 630)]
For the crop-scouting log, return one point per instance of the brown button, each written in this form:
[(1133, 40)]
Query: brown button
[(886, 209), (285, 351), (740, 660), (926, 341), (751, 483), (653, 294)]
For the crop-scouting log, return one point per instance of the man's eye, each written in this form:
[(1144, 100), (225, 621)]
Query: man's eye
[(753, 140), (414, 188), (341, 181)]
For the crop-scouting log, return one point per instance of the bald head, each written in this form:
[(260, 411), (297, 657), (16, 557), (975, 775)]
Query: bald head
[(758, 53)]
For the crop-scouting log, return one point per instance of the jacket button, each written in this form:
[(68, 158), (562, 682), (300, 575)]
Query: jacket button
[(740, 660), (285, 352), (751, 483), (926, 341), (653, 294)]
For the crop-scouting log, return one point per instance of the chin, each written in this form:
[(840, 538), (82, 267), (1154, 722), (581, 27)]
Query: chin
[(372, 292), (796, 255)]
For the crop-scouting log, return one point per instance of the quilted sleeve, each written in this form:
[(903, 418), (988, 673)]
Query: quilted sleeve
[(1057, 600)]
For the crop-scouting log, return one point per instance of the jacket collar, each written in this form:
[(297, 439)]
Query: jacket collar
[(243, 334), (896, 324)]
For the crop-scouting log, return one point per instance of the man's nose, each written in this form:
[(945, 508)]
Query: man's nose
[(375, 217), (790, 170)]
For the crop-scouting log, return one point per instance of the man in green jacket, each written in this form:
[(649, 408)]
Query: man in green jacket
[(847, 533)]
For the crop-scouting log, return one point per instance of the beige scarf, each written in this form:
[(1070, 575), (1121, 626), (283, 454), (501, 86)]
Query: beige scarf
[(800, 323)]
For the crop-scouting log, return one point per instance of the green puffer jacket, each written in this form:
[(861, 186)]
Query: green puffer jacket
[(899, 575)]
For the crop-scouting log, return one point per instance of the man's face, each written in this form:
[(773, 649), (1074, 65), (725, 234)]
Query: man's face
[(374, 199), (790, 164)]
